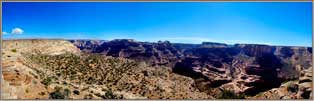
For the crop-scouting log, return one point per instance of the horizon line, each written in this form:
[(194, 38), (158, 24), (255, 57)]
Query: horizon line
[(4, 39)]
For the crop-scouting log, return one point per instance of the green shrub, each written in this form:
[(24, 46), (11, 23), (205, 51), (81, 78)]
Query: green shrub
[(47, 81), (14, 50), (109, 95), (56, 95), (226, 94)]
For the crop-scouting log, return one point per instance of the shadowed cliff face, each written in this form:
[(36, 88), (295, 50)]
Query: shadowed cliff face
[(253, 50), (161, 53), (243, 68), (87, 45)]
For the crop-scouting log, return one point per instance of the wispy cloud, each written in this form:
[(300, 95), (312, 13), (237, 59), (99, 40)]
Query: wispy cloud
[(4, 33), (17, 31)]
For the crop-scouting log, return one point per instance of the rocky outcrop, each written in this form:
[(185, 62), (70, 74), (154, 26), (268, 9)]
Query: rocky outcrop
[(255, 50), (213, 44), (301, 88), (87, 45), (52, 47), (19, 81), (161, 53)]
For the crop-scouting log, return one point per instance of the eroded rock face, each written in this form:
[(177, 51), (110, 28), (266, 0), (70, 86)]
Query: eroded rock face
[(20, 81), (255, 50), (301, 88), (242, 68), (161, 53), (87, 45)]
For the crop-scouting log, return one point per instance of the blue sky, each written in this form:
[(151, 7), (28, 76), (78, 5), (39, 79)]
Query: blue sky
[(274, 23)]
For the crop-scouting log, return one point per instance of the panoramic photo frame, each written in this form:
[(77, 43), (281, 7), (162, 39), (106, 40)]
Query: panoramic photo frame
[(157, 50)]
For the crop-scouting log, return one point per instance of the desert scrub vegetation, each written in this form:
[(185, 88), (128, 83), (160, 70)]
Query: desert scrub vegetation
[(109, 95), (46, 81), (89, 69), (117, 74), (226, 94), (60, 93)]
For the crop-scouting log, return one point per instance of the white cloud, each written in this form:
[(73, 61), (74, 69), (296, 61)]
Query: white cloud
[(4, 33), (17, 31)]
